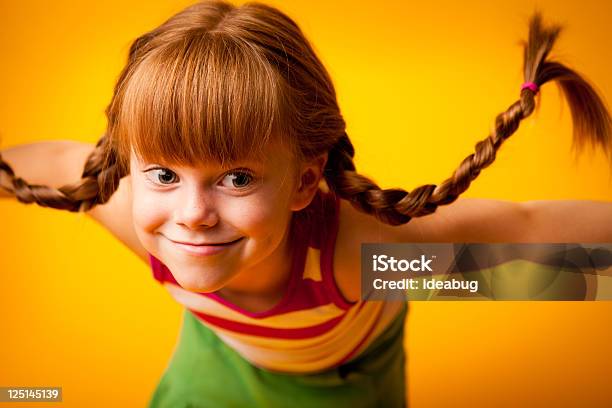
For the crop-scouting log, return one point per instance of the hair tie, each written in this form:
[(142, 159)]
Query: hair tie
[(530, 85)]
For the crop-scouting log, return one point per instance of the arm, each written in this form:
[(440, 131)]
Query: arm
[(489, 221), (48, 163), (470, 221), (570, 221), (57, 163)]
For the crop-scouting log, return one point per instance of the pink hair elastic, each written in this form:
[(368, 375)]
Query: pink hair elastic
[(531, 85)]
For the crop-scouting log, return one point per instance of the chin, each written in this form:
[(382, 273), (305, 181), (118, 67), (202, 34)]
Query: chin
[(201, 280)]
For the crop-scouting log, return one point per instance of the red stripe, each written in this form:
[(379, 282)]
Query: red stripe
[(328, 242), (156, 267), (306, 294), (253, 330)]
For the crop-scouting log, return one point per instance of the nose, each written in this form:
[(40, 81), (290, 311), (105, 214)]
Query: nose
[(196, 209)]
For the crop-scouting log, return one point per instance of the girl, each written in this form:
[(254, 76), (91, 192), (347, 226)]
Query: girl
[(227, 167)]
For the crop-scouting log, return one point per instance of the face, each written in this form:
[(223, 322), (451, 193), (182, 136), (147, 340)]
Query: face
[(209, 223)]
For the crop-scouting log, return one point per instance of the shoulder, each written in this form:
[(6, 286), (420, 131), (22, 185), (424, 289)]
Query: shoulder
[(465, 220), (116, 217), (356, 228)]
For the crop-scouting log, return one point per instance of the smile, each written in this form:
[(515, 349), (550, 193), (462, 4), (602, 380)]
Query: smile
[(205, 249)]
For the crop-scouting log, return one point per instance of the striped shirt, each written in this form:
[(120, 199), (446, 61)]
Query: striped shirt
[(313, 328)]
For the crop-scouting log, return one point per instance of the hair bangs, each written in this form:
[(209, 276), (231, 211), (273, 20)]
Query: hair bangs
[(205, 98)]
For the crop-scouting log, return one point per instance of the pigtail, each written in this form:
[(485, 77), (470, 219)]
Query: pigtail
[(391, 206), (591, 125), (100, 179), (591, 120)]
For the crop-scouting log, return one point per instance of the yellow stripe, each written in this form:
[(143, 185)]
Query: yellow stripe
[(389, 313), (291, 320), (284, 344), (312, 268), (306, 355)]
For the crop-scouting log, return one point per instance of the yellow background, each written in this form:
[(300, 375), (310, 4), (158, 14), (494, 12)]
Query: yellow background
[(418, 83)]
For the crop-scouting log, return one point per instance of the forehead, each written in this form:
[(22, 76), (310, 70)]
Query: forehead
[(273, 156)]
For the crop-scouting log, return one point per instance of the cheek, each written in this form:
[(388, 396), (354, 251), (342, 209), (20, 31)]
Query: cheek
[(148, 212), (263, 217)]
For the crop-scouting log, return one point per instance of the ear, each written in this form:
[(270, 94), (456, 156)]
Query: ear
[(310, 174)]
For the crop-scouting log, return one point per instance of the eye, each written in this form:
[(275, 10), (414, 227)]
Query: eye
[(162, 176), (237, 179)]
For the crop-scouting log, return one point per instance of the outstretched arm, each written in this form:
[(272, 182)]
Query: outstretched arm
[(57, 163), (489, 221), (570, 221)]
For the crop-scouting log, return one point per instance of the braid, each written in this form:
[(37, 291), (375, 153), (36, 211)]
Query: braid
[(365, 195), (100, 179), (591, 124)]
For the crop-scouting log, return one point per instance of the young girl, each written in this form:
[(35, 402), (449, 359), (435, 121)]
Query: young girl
[(227, 167)]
